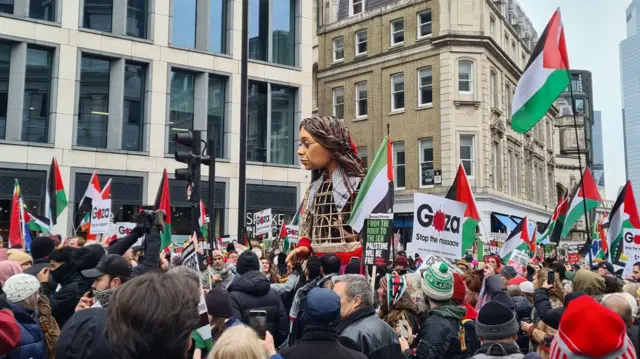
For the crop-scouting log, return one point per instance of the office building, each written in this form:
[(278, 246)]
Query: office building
[(630, 76), (598, 150)]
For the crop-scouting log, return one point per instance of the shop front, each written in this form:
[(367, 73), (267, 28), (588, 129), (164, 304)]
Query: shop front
[(181, 208), (282, 200), (32, 185)]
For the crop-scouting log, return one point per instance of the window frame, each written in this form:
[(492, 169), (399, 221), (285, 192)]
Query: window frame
[(496, 181), (394, 152), (493, 84), (363, 154), (393, 32), (358, 99), (470, 80), (351, 5), (358, 42), (394, 78), (335, 49), (472, 160), (334, 104), (508, 100), (492, 27), (419, 25), (421, 160), (422, 104)]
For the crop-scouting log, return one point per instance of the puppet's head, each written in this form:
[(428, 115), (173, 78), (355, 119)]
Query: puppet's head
[(325, 142)]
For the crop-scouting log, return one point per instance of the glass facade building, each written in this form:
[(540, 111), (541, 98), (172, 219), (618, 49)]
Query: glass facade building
[(630, 76)]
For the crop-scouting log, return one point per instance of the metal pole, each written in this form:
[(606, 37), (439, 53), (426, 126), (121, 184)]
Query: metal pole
[(212, 193), (244, 89), (195, 191), (584, 203)]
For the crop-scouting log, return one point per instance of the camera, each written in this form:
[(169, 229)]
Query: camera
[(147, 219)]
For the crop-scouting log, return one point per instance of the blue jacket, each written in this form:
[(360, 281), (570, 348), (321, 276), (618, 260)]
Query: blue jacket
[(32, 345)]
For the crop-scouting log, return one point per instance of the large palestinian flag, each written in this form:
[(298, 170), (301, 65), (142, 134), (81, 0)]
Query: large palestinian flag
[(556, 222), (518, 239), (376, 191), (586, 199), (545, 77), (461, 191), (163, 202), (37, 223), (624, 214), (55, 199)]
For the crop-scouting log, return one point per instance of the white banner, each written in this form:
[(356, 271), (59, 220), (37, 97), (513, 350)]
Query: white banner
[(262, 220), (100, 216), (519, 261), (122, 229), (630, 250), (292, 233), (437, 226)]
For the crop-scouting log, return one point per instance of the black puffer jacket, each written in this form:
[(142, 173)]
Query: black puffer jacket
[(363, 331), (64, 301), (524, 310), (440, 334), (252, 291), (545, 311)]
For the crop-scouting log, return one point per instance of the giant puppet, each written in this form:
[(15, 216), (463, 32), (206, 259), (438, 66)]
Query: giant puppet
[(327, 150)]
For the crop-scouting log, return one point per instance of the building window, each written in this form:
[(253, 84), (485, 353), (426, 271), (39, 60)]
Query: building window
[(181, 106), (467, 154), (218, 26), (361, 42), (424, 24), (515, 175), (6, 6), (540, 185), (42, 9), (338, 49), (426, 162), (356, 7), (492, 28), (508, 99), (528, 175), (137, 11), (425, 87), (216, 112), (361, 100), (37, 92), (364, 156), (465, 77), (94, 102), (274, 18), (576, 82), (398, 165), (338, 102), (510, 168), (397, 92), (550, 187), (524, 60), (513, 51), (397, 32), (183, 26), (5, 60), (133, 114), (506, 43), (580, 106), (496, 161), (493, 83), (98, 15), (270, 135)]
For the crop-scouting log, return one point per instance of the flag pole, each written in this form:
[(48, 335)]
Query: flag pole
[(584, 203)]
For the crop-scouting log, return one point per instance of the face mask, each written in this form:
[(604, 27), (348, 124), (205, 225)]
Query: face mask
[(402, 271), (103, 296), (61, 273)]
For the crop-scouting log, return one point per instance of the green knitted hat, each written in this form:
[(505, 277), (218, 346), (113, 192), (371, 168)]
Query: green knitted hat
[(437, 282)]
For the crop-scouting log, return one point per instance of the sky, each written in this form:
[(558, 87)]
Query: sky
[(594, 46)]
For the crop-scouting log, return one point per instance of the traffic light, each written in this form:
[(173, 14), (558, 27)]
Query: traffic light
[(190, 140)]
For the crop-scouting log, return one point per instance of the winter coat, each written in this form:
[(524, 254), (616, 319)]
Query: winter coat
[(369, 335), (498, 350), (633, 332), (226, 276), (440, 334), (251, 291), (84, 336), (523, 309), (9, 332), (38, 265), (64, 301), (32, 345), (323, 343), (590, 283), (404, 309), (493, 289)]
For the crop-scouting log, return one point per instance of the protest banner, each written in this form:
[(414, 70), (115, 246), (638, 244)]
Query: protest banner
[(429, 260), (190, 260), (437, 227), (293, 233), (630, 250), (519, 261), (262, 221), (100, 216), (377, 239)]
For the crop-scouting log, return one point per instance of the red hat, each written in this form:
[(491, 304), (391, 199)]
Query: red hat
[(401, 261), (517, 280), (589, 330), (459, 288)]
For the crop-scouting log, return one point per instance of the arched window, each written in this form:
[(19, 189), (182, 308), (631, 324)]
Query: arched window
[(465, 77)]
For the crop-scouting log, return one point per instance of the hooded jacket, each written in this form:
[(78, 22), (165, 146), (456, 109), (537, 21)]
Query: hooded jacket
[(252, 291), (64, 301), (32, 345), (323, 343), (83, 336), (439, 336), (589, 282), (38, 265), (369, 335), (498, 350), (493, 289)]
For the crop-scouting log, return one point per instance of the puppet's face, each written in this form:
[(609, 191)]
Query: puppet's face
[(313, 155)]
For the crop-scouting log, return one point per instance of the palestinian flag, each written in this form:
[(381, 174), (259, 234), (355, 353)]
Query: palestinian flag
[(545, 77), (532, 242), (55, 199), (284, 238), (37, 223), (624, 214), (599, 233), (556, 222), (163, 203), (93, 189), (461, 191), (518, 239), (202, 221), (106, 191), (586, 199), (376, 190), (86, 222), (16, 228)]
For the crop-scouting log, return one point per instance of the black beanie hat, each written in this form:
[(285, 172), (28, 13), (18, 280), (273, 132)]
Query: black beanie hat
[(353, 267), (508, 272), (86, 257), (41, 247), (496, 321), (247, 262), (218, 303)]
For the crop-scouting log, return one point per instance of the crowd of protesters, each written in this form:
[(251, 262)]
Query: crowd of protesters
[(86, 300)]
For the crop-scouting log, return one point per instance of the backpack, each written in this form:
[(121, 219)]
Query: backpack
[(469, 341)]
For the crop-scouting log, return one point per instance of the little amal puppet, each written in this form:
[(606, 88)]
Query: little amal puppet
[(327, 150)]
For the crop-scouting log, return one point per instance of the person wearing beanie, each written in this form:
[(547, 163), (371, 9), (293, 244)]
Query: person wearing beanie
[(589, 330), (517, 280), (497, 328), (252, 290), (220, 319), (439, 335), (23, 259), (41, 249), (320, 338), (507, 273), (401, 264), (22, 292), (395, 304), (353, 267), (493, 289), (468, 321), (220, 272), (523, 309)]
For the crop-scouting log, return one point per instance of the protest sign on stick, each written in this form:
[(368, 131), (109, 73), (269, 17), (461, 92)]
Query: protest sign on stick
[(100, 216), (190, 260), (262, 221), (376, 238)]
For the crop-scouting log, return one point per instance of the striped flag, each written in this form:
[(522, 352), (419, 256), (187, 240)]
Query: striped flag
[(15, 223), (517, 239), (202, 221), (587, 198), (624, 214), (461, 191), (106, 191), (55, 198), (93, 189), (37, 223), (556, 222), (163, 202)]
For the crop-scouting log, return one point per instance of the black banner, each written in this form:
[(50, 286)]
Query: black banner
[(377, 238)]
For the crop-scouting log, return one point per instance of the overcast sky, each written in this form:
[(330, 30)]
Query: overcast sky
[(594, 46)]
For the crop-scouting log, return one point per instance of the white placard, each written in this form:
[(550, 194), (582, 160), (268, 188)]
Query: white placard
[(630, 249), (437, 226), (519, 261), (100, 215), (292, 233), (262, 220)]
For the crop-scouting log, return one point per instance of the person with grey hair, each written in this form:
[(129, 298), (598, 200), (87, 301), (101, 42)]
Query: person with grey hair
[(360, 328), (22, 291), (621, 304)]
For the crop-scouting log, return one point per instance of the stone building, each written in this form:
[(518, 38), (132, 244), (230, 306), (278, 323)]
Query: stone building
[(442, 75)]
